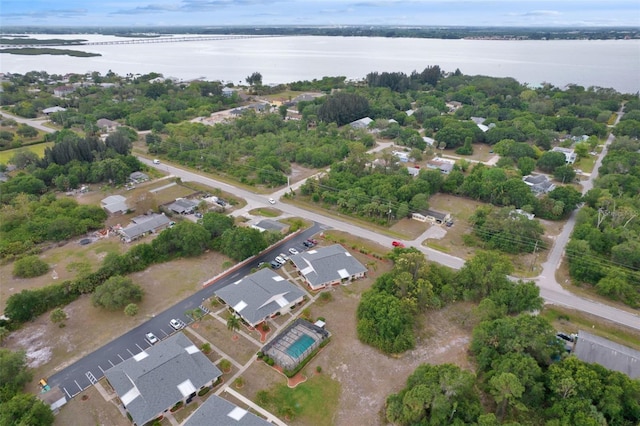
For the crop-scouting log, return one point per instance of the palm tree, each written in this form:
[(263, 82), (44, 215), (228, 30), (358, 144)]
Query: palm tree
[(233, 323)]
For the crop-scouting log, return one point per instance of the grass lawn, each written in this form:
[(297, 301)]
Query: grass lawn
[(5, 156), (313, 402), (570, 321), (586, 164), (266, 212)]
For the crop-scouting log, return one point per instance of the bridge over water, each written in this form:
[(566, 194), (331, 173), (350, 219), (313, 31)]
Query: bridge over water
[(147, 40)]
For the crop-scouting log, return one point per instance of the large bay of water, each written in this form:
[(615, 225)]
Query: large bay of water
[(603, 63)]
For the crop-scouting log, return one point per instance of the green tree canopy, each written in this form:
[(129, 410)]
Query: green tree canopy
[(116, 293)]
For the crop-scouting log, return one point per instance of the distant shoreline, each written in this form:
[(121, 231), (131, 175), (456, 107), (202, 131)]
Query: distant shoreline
[(480, 33)]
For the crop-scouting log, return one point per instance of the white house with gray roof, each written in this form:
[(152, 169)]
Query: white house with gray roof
[(154, 380), (327, 266), (260, 296), (219, 411), (143, 225)]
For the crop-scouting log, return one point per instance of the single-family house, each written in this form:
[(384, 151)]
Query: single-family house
[(328, 266), (410, 112), (306, 97), (143, 225), (453, 106), (363, 123), (227, 92), (138, 177), (183, 206), (260, 296), (154, 380), (611, 355), (218, 411), (107, 126), (539, 184), (429, 141), (270, 225), (569, 154), (115, 204), (61, 91), (432, 216), (401, 155), (413, 171), (53, 110), (520, 212), (442, 165)]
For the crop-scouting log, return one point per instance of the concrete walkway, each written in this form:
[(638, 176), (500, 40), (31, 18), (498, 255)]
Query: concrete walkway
[(270, 417)]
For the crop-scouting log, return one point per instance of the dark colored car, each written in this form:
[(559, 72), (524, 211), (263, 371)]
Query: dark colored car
[(275, 265)]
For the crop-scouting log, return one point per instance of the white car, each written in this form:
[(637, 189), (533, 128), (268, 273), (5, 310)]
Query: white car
[(272, 201), (151, 338), (293, 251), (156, 161), (284, 256), (280, 260), (177, 325)]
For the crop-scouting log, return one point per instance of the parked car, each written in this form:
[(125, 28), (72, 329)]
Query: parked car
[(397, 244), (293, 251), (151, 338), (307, 244), (260, 265), (175, 324), (156, 161), (275, 265), (280, 260), (198, 215), (284, 256), (312, 241)]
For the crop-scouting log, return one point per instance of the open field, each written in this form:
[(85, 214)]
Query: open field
[(50, 348), (38, 149)]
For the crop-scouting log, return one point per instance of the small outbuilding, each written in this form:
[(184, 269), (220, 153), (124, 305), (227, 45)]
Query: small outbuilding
[(183, 206), (115, 204)]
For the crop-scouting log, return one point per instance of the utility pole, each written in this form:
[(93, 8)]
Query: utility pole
[(535, 255)]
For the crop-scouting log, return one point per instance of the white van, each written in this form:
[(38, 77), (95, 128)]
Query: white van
[(156, 161)]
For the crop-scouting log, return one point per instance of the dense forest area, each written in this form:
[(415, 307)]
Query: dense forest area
[(523, 375)]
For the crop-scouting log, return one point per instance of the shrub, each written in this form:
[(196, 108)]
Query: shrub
[(116, 292), (206, 347), (322, 319), (29, 267), (131, 310), (176, 407), (203, 392), (260, 355), (271, 362), (225, 365), (325, 296), (319, 369)]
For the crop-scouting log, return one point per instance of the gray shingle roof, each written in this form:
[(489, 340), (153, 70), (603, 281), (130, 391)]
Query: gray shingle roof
[(219, 411), (614, 356), (270, 225), (259, 295), (115, 204), (154, 380), (182, 205), (327, 264), (143, 224)]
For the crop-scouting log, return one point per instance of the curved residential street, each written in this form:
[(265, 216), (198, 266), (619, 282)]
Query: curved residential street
[(550, 289)]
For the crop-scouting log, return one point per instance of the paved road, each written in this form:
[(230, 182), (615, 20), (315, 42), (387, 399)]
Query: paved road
[(36, 123), (84, 372)]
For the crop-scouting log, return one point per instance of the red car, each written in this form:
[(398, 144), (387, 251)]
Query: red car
[(397, 244)]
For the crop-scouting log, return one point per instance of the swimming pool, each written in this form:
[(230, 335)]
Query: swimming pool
[(301, 344)]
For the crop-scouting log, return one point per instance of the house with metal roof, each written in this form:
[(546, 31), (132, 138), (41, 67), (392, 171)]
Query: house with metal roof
[(363, 123), (115, 204), (327, 266), (218, 411), (611, 355), (443, 165), (143, 225), (260, 296), (183, 206), (53, 110), (432, 216), (154, 380)]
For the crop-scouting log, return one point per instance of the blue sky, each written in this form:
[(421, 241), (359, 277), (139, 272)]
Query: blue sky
[(142, 13)]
